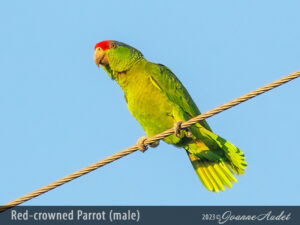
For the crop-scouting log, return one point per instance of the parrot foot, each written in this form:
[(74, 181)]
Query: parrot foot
[(143, 147), (141, 144), (154, 144), (188, 132), (177, 128)]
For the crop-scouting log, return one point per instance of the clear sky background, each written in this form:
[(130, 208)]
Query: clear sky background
[(60, 113)]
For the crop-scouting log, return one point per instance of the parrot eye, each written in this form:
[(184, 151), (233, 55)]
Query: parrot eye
[(112, 45)]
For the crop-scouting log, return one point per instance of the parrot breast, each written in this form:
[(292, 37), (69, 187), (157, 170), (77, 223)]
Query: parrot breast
[(146, 102)]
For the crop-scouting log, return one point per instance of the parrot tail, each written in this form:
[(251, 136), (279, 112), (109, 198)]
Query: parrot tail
[(215, 167), (213, 175), (234, 157)]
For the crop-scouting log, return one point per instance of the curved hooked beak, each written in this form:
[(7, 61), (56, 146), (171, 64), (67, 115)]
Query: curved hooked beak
[(100, 57)]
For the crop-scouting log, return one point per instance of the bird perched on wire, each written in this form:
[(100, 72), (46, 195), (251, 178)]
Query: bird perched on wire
[(158, 100)]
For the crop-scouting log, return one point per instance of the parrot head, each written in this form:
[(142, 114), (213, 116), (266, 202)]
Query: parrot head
[(116, 56)]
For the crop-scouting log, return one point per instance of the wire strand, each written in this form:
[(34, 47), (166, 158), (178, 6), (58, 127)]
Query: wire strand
[(148, 141)]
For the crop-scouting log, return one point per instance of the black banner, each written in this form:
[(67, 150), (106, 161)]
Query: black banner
[(183, 215)]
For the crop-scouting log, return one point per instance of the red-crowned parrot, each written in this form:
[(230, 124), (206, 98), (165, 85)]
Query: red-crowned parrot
[(158, 100)]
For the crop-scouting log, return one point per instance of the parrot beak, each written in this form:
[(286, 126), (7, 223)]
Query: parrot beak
[(100, 57)]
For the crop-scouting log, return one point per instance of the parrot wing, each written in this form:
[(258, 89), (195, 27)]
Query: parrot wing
[(164, 79)]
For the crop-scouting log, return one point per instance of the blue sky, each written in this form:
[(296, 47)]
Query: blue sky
[(60, 113)]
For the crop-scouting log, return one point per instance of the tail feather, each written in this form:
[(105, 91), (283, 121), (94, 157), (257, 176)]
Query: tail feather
[(227, 172), (211, 178), (199, 168), (211, 170), (222, 176), (235, 156), (213, 175)]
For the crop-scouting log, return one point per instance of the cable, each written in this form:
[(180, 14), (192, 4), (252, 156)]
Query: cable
[(148, 141)]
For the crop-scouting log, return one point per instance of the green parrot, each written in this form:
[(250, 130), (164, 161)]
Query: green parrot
[(158, 100)]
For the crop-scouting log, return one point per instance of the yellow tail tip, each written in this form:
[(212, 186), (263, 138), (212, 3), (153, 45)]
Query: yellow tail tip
[(215, 176)]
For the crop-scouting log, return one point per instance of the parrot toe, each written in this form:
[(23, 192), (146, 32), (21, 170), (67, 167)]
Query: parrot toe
[(177, 128), (154, 144)]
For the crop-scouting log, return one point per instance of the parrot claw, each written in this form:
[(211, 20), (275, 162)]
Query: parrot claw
[(177, 128), (141, 144)]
